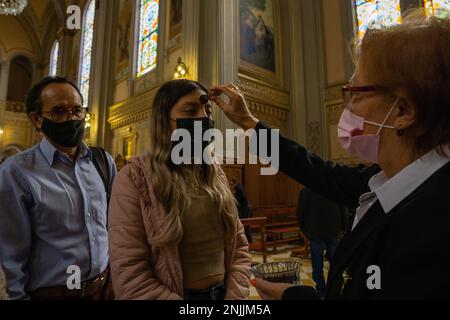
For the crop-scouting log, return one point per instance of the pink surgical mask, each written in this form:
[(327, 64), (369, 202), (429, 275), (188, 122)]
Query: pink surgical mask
[(350, 129)]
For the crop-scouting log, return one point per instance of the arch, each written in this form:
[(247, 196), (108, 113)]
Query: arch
[(52, 27), (59, 10), (19, 52), (21, 75), (29, 22)]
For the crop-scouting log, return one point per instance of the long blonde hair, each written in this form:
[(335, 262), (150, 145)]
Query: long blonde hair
[(171, 183)]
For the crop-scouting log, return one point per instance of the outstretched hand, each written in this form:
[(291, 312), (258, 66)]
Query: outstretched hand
[(271, 290), (236, 108)]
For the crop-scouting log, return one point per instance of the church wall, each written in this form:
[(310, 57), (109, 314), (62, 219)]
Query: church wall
[(17, 130), (338, 32), (300, 96)]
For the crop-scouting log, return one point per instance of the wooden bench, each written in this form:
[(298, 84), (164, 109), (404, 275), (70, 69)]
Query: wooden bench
[(281, 221), (277, 233), (258, 224)]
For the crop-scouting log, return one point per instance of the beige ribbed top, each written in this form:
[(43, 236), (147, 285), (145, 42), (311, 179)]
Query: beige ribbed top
[(202, 249)]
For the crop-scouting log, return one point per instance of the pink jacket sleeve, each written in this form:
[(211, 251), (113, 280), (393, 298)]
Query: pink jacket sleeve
[(130, 253), (238, 276)]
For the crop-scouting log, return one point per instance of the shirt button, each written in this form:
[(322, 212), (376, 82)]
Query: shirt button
[(94, 238), (89, 214)]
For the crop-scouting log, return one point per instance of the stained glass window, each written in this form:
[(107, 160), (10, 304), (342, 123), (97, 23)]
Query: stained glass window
[(439, 8), (53, 69), (148, 36), (377, 14), (86, 51)]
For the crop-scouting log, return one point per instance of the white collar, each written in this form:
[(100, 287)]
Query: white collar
[(390, 192)]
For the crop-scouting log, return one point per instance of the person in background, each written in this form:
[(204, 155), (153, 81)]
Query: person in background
[(120, 162), (323, 222), (53, 204), (243, 205)]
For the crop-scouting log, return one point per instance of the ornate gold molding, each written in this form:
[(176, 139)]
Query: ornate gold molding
[(334, 104), (17, 122), (65, 32), (13, 106), (264, 93), (314, 137), (268, 103), (133, 110), (334, 93), (271, 115)]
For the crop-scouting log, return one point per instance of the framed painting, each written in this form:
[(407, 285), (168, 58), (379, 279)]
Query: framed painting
[(175, 24), (260, 40), (129, 146), (176, 18), (123, 39)]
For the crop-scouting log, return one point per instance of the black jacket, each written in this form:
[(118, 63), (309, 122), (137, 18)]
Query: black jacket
[(320, 218), (243, 205), (410, 244)]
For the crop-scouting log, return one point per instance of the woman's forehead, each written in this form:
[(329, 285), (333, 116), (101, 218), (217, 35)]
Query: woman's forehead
[(192, 97)]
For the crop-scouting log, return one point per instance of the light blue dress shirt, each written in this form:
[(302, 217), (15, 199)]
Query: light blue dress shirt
[(53, 214)]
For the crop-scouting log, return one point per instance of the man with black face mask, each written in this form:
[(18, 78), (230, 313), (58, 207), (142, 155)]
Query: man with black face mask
[(53, 204)]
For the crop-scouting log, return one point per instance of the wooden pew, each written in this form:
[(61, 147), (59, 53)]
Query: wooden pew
[(258, 224), (281, 221)]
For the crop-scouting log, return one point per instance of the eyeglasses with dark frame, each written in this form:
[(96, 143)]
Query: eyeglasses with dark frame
[(61, 114), (348, 90)]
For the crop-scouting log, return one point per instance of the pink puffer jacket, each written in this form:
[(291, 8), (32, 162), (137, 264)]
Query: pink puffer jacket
[(140, 271)]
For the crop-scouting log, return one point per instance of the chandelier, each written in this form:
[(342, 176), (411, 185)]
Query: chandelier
[(12, 7)]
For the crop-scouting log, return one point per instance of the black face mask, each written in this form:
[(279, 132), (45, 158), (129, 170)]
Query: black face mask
[(189, 125), (67, 134)]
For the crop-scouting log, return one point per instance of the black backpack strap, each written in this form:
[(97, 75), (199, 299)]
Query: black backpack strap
[(102, 165)]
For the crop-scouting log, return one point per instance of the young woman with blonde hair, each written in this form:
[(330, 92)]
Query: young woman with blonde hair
[(174, 229)]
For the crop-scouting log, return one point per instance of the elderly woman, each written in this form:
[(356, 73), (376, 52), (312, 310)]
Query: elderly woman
[(397, 115)]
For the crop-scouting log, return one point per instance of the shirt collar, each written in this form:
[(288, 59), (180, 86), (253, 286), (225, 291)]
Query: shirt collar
[(49, 151), (390, 192)]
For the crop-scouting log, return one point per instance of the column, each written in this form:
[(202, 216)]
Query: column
[(229, 52), (191, 36), (4, 78), (103, 71), (313, 77), (66, 47), (297, 116)]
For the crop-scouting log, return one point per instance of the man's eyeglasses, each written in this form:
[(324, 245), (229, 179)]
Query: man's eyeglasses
[(348, 91), (60, 114)]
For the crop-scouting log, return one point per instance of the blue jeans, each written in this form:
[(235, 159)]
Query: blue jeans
[(317, 247), (216, 292)]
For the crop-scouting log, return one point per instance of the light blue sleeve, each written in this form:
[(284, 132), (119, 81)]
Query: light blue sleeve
[(15, 229)]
